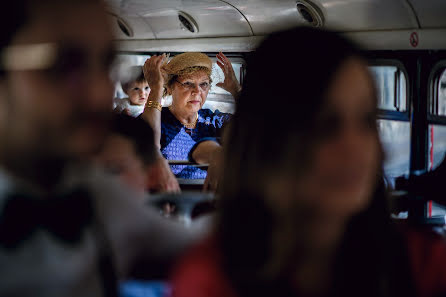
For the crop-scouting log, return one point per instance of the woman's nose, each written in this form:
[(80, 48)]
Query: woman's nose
[(196, 88), (353, 140)]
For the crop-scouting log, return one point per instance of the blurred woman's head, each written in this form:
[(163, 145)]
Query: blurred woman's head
[(189, 80), (305, 127), (303, 161)]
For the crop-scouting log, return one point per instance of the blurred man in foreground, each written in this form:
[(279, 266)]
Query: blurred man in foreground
[(66, 229)]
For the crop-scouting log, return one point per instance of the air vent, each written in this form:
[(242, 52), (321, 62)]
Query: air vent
[(125, 28), (187, 22), (310, 13), (122, 25)]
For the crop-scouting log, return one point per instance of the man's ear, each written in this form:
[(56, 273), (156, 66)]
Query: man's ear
[(3, 89), (4, 99)]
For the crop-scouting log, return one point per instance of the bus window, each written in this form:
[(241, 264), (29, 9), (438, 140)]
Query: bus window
[(437, 150), (437, 119), (438, 104), (393, 123), (391, 87), (437, 145), (437, 129), (219, 98), (395, 138)]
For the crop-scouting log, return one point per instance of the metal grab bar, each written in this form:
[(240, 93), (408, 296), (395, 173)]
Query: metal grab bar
[(188, 163)]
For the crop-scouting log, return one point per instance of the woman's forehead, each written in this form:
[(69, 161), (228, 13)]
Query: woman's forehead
[(197, 75), (352, 85)]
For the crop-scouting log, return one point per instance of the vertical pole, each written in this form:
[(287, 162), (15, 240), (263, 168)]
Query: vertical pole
[(419, 138)]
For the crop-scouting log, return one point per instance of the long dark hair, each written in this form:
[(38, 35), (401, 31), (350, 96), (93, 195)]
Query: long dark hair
[(288, 76)]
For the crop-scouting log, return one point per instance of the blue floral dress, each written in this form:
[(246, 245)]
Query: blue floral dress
[(178, 142)]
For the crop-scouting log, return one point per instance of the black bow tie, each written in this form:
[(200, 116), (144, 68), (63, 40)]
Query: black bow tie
[(64, 216)]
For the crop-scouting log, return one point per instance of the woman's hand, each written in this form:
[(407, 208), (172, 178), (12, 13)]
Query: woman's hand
[(230, 83), (154, 73)]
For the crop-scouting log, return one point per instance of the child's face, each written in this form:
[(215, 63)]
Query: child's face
[(119, 157), (138, 92)]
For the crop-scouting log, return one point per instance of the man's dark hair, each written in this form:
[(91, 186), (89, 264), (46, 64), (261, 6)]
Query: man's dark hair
[(138, 132), (17, 14), (12, 19), (371, 245)]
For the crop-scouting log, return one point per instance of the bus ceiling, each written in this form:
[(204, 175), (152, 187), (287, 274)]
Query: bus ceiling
[(239, 25)]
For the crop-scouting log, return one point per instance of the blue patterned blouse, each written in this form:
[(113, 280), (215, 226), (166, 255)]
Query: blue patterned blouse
[(178, 142)]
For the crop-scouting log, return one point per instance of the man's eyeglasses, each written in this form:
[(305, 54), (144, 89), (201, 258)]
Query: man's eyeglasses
[(204, 86), (62, 62)]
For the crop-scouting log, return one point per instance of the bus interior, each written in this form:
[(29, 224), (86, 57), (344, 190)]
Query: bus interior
[(404, 40)]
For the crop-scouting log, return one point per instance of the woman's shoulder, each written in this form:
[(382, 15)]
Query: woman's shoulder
[(206, 112), (165, 110), (200, 273), (209, 113), (216, 118), (167, 117), (427, 256)]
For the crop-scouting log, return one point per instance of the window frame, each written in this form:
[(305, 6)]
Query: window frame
[(227, 98), (386, 114), (433, 81), (394, 115)]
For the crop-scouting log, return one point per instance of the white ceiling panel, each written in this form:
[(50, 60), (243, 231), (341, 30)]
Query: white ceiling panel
[(137, 25), (213, 17), (158, 19), (266, 16), (431, 13), (368, 15)]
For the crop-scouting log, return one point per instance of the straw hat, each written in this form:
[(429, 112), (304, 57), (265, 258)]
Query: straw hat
[(186, 60)]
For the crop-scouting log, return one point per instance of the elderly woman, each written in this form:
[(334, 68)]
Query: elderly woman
[(185, 131), (303, 210)]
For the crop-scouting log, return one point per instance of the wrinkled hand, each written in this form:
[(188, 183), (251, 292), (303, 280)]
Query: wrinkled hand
[(230, 83), (161, 177), (214, 172), (154, 73)]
